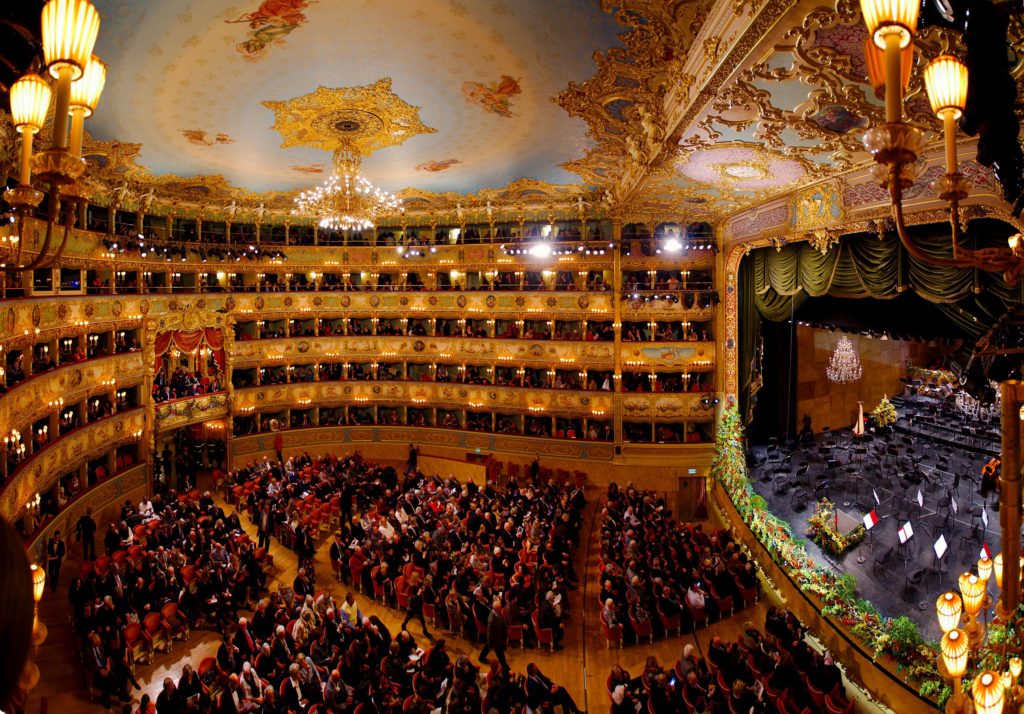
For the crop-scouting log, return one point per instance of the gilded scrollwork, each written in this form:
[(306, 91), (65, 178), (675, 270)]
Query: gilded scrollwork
[(43, 468), (27, 402)]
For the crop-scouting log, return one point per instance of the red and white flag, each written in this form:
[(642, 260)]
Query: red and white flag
[(870, 520)]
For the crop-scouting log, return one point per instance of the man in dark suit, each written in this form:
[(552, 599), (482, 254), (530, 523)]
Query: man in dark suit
[(292, 690), (497, 634), (411, 463), (101, 667), (244, 640), (169, 700), (301, 585), (85, 530), (548, 618), (264, 526), (339, 558), (283, 647), (231, 698), (540, 691), (55, 551), (228, 656)]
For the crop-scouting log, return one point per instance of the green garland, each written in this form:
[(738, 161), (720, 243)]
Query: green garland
[(898, 638)]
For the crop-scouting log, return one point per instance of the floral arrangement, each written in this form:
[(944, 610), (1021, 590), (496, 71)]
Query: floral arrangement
[(823, 528), (938, 377), (885, 413), (898, 638)]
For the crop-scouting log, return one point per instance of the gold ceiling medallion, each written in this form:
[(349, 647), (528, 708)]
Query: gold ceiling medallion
[(365, 118)]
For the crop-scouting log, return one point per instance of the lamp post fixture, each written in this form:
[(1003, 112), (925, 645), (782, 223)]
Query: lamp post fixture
[(69, 30), (895, 144)]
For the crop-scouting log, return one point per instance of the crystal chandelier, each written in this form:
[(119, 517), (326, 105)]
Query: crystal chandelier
[(844, 367), (346, 200)]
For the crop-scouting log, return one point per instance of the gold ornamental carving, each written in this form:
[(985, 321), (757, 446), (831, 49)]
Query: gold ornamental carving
[(369, 118)]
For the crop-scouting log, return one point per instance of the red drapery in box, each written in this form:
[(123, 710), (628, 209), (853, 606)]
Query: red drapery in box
[(189, 341)]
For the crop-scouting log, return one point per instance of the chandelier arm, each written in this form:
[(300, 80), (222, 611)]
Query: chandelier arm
[(69, 224), (992, 260), (37, 262), (21, 238), (896, 194), (52, 260)]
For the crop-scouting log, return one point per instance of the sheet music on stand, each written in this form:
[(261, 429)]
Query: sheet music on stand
[(940, 547), (906, 532), (984, 516), (875, 494), (920, 499), (952, 504)]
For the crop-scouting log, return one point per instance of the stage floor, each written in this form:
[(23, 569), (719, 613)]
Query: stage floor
[(896, 466)]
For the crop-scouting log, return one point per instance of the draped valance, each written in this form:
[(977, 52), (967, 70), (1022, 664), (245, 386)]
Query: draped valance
[(189, 341), (862, 266)]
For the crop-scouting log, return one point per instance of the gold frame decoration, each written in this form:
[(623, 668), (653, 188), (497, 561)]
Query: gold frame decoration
[(369, 118)]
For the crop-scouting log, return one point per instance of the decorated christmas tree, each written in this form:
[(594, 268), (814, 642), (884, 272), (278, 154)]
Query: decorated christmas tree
[(885, 413)]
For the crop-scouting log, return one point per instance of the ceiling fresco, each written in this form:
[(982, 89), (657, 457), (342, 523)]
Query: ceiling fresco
[(479, 108), (196, 83)]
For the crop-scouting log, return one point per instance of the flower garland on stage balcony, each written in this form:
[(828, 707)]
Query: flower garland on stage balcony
[(880, 635)]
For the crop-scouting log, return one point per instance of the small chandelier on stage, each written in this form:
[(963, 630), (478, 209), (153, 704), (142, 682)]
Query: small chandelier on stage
[(346, 200), (844, 367)]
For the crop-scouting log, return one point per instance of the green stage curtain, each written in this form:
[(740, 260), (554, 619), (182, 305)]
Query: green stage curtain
[(862, 266)]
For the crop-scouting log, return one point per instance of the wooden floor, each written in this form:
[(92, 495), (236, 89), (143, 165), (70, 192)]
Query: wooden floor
[(582, 667)]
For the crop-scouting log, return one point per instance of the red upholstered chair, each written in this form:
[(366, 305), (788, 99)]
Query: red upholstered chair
[(158, 632), (430, 613), (699, 615), (102, 565), (137, 642), (378, 588), (402, 592), (515, 635), (836, 703), (264, 558), (176, 624), (817, 696), (748, 596), (355, 566), (724, 602), (612, 634), (670, 623), (481, 629), (207, 665), (640, 629), (545, 635)]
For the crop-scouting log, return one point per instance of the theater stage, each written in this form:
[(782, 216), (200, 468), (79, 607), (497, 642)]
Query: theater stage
[(931, 450)]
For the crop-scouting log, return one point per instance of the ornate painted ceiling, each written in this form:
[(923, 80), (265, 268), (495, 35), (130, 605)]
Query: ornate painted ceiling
[(199, 84), (699, 107)]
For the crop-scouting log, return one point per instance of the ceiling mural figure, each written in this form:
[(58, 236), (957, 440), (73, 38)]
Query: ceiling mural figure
[(495, 98), (435, 166), (269, 24)]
